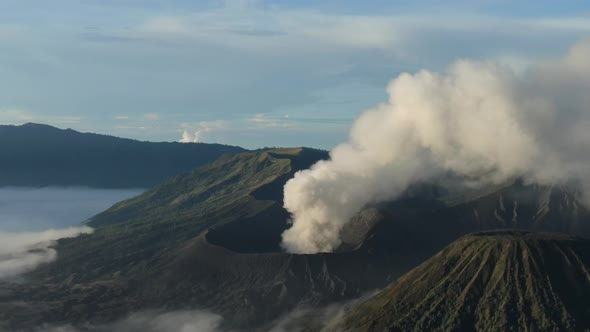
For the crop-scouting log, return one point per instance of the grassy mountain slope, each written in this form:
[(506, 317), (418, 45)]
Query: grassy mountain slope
[(41, 155), (494, 281), (180, 209), (210, 239)]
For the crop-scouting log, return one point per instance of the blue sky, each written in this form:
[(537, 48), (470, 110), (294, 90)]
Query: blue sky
[(250, 73)]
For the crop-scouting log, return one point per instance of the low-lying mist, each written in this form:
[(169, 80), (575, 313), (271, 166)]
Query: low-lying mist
[(21, 252), (32, 219), (151, 321), (479, 121), (300, 319)]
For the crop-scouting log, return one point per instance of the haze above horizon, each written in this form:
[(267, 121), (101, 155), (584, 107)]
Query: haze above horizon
[(249, 73)]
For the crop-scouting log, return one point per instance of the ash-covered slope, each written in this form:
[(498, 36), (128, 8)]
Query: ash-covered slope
[(518, 205), (41, 155), (429, 218), (490, 281)]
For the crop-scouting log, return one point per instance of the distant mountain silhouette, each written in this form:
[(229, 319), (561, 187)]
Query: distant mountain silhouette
[(42, 155)]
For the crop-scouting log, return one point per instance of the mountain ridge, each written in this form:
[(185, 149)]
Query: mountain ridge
[(39, 155), (210, 238)]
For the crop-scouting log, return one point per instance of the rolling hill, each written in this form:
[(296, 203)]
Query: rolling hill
[(206, 239), (210, 239), (40, 155)]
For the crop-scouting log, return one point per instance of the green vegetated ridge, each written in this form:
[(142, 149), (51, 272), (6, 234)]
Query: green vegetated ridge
[(180, 209), (206, 239), (210, 238), (490, 281), (41, 155)]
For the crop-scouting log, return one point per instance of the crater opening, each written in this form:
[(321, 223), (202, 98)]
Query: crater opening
[(258, 234)]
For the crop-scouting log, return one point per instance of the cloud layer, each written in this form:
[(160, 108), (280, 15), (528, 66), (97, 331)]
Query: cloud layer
[(300, 319), (137, 69), (154, 321), (23, 252), (479, 120)]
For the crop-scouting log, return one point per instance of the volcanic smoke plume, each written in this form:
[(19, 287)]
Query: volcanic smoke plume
[(478, 120)]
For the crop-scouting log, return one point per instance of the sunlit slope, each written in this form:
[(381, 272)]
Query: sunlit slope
[(208, 239), (233, 189)]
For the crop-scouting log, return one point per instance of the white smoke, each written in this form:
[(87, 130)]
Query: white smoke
[(23, 252), (190, 138), (478, 120)]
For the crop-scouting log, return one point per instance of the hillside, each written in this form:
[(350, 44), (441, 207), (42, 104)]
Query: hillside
[(210, 239), (493, 281), (229, 191), (206, 239), (41, 155), (427, 218)]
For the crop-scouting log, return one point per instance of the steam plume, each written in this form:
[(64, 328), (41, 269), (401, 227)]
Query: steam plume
[(188, 138), (478, 120)]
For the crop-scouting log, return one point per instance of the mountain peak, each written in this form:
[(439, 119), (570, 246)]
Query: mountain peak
[(36, 154), (497, 280), (37, 125)]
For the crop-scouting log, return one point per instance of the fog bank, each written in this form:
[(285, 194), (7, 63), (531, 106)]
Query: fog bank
[(22, 252), (153, 321)]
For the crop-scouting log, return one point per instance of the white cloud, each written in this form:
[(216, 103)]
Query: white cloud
[(216, 131), (152, 116), (141, 128), (121, 117), (206, 126), (579, 23), (271, 29), (14, 116), (261, 120), (10, 32), (290, 28), (181, 321), (166, 26), (354, 31), (22, 252), (64, 119), (18, 117), (154, 321), (230, 59)]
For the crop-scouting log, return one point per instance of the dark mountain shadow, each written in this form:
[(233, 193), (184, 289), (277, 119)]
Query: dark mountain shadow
[(37, 155)]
